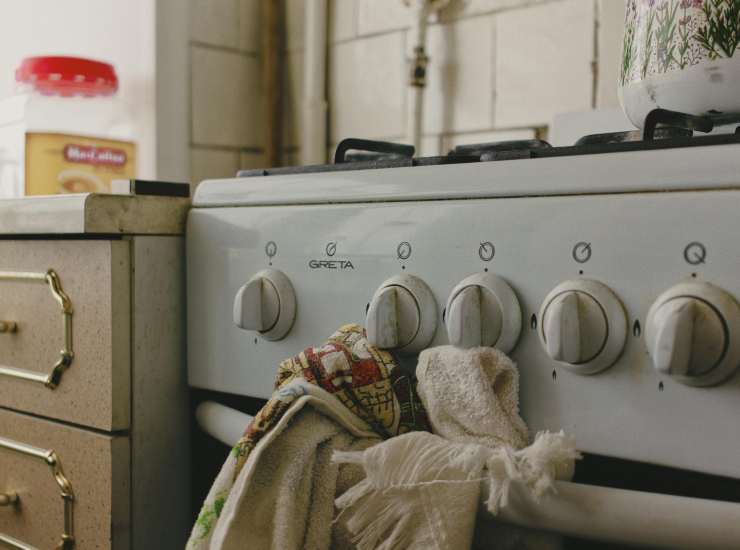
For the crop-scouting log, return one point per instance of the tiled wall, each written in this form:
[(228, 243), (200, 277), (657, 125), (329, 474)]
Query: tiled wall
[(500, 69), (225, 125)]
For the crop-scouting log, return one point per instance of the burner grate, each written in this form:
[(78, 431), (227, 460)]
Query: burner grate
[(367, 149), (663, 129), (659, 118), (632, 136)]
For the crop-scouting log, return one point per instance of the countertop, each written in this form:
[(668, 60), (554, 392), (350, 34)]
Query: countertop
[(93, 214)]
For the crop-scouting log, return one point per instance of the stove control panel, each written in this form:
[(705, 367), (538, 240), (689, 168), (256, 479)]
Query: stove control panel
[(693, 334), (483, 310), (402, 315), (584, 326), (614, 306)]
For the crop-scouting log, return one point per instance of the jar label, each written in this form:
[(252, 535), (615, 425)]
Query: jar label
[(61, 163)]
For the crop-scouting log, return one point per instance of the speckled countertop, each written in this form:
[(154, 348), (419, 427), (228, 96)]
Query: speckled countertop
[(94, 214)]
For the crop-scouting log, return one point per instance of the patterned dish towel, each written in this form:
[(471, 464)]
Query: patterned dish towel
[(277, 488), (422, 490)]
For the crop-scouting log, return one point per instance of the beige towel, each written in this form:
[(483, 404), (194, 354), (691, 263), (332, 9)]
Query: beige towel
[(276, 490), (285, 497), (422, 490)]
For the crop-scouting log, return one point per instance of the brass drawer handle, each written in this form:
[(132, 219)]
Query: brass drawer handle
[(67, 541), (8, 499), (51, 279)]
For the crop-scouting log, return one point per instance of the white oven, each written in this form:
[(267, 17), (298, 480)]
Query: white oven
[(625, 267)]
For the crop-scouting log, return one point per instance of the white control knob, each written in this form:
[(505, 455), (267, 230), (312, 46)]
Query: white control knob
[(583, 326), (483, 310), (266, 304), (692, 334), (402, 315)]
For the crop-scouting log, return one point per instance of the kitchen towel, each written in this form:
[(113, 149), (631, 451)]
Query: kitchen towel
[(277, 487), (422, 490)]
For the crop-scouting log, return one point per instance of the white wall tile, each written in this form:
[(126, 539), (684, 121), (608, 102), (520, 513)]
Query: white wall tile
[(544, 57), (225, 92), (367, 86), (611, 30), (291, 157), (460, 89), (568, 128), (212, 163), (342, 19), (251, 161), (250, 25), (453, 140), (467, 8), (376, 16), (215, 22), (292, 97), (431, 146)]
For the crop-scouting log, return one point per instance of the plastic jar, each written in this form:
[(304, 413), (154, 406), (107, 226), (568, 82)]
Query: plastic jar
[(64, 131)]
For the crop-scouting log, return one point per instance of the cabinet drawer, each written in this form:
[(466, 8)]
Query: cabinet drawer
[(91, 471), (88, 381)]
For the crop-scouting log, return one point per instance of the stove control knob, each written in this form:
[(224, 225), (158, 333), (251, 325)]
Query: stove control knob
[(266, 304), (693, 334), (402, 315), (483, 311), (583, 326)]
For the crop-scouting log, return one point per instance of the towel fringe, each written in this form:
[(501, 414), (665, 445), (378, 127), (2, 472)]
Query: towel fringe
[(550, 457), (382, 504)]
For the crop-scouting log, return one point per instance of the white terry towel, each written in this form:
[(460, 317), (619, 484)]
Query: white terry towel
[(472, 396), (422, 490)]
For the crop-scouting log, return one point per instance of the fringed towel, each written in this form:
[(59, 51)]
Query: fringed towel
[(422, 490), (277, 488)]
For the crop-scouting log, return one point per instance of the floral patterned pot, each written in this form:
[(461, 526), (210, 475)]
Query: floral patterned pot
[(682, 55)]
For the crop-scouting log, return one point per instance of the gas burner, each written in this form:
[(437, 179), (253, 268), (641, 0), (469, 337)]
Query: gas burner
[(501, 150), (632, 136)]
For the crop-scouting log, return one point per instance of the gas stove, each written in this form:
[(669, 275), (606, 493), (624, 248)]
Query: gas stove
[(608, 270)]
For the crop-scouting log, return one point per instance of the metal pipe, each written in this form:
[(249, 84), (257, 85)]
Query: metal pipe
[(314, 105), (272, 72), (418, 76)]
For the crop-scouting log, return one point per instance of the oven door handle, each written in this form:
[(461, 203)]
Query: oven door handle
[(627, 517), (222, 422), (583, 511)]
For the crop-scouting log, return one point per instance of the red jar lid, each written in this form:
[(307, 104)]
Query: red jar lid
[(68, 76)]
